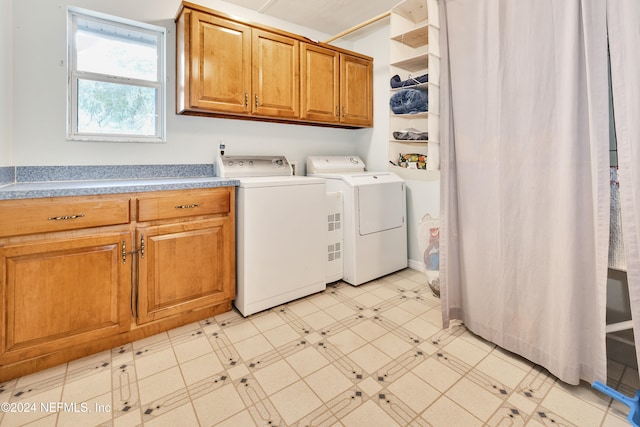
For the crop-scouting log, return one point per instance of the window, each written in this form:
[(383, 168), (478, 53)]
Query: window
[(116, 84)]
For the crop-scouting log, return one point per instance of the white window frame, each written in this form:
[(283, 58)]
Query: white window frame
[(73, 13)]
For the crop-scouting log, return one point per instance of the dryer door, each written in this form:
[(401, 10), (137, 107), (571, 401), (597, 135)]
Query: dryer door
[(381, 206)]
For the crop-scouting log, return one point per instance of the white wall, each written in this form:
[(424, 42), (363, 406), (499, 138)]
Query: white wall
[(39, 98), (6, 155), (375, 42)]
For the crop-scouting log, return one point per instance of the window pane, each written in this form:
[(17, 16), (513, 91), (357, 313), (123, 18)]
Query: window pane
[(116, 108), (119, 51)]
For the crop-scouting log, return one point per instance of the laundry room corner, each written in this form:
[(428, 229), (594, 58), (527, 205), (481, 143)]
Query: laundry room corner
[(372, 145)]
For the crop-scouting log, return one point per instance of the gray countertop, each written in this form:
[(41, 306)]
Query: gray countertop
[(30, 182), (29, 190)]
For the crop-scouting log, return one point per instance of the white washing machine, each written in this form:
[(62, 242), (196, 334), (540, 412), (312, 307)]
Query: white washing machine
[(280, 231), (374, 227)]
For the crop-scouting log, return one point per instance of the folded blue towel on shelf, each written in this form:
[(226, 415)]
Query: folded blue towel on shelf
[(409, 101)]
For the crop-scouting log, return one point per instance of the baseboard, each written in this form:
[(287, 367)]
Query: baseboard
[(416, 265)]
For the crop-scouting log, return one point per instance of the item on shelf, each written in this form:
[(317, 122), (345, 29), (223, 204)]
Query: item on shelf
[(411, 134), (412, 161), (409, 101), (411, 81)]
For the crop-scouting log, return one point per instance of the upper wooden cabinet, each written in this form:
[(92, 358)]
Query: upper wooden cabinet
[(356, 90), (276, 76), (204, 85), (231, 68), (320, 83), (335, 87)]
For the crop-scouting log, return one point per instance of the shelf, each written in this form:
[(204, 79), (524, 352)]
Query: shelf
[(413, 10), (411, 141), (413, 64), (411, 116), (414, 51), (415, 174), (419, 86), (414, 38)]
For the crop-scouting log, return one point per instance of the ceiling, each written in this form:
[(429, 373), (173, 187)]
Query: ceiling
[(327, 16)]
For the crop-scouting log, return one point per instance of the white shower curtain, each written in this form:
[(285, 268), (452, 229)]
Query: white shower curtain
[(623, 20), (525, 178)]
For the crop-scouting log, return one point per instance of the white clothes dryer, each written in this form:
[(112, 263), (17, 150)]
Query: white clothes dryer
[(280, 231), (374, 227)]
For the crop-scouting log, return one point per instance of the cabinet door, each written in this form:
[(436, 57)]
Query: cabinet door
[(185, 266), (356, 91), (63, 292), (220, 53), (276, 76), (319, 84)]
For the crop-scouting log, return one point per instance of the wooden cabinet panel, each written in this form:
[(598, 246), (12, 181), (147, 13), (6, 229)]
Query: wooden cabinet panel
[(220, 64), (276, 78), (74, 288), (336, 88), (30, 216), (184, 204), (319, 83), (185, 266), (63, 292), (233, 68), (356, 90)]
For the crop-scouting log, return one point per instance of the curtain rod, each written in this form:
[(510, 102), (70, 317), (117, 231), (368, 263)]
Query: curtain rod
[(357, 27)]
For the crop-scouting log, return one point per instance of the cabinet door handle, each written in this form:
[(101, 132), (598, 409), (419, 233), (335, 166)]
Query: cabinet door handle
[(344, 111), (64, 217), (124, 252), (142, 246), (192, 206), (256, 100), (246, 100), (337, 112)]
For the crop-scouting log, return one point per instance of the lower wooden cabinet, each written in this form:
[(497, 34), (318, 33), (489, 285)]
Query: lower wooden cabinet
[(71, 292), (183, 267), (63, 292)]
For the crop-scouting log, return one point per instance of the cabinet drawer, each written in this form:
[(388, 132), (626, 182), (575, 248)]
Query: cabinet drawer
[(59, 214), (183, 204)]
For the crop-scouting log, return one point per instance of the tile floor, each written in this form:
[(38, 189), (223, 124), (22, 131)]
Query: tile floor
[(373, 355)]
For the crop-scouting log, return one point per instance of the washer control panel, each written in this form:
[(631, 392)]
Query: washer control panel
[(334, 164), (246, 166)]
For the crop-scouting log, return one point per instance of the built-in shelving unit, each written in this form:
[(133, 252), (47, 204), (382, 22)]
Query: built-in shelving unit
[(415, 52)]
